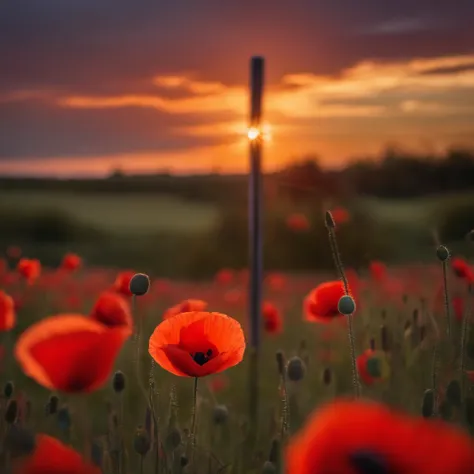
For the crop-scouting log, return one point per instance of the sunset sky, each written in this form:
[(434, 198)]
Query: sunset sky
[(146, 85)]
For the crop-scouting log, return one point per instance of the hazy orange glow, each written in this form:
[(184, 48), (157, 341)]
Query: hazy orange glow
[(356, 113)]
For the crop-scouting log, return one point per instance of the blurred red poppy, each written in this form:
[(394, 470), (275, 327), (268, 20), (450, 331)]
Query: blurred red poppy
[(340, 215), (218, 384), (7, 312), (185, 306), (224, 276), (69, 352), (122, 283), (297, 222), (50, 456), (272, 320), (276, 281), (112, 310), (71, 262), (462, 269), (321, 303), (29, 269), (197, 344), (378, 271), (346, 433)]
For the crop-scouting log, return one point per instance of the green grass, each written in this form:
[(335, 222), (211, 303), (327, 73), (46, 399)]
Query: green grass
[(118, 213)]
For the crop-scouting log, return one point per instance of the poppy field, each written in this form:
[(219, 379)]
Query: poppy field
[(116, 372)]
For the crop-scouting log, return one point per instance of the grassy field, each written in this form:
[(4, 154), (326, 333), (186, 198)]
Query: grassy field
[(118, 213)]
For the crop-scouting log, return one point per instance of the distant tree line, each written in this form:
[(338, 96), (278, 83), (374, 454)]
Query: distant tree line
[(396, 174)]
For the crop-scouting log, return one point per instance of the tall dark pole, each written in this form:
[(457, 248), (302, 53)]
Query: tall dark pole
[(255, 199), (255, 227)]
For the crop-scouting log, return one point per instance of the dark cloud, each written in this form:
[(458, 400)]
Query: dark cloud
[(36, 129), (120, 44)]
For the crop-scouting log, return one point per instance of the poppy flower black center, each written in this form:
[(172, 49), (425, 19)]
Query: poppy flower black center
[(200, 358)]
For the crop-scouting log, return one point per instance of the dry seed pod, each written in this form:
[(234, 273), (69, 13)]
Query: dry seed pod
[(118, 382), (442, 253), (427, 407), (141, 441), (346, 305), (140, 284), (220, 414), (295, 369)]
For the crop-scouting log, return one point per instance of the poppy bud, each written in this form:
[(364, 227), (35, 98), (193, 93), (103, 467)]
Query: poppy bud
[(346, 305), (446, 410), (327, 376), (8, 389), (97, 453), (372, 344), (141, 441), (64, 419), (220, 414), (295, 369), (453, 393), (118, 382), (140, 284), (280, 362), (173, 438), (330, 222), (442, 253), (52, 405), (11, 412), (183, 461), (269, 468), (427, 407)]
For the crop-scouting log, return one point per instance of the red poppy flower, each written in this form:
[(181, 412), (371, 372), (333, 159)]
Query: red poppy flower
[(197, 344), (7, 312), (340, 215), (29, 269), (71, 262), (233, 297), (276, 281), (50, 456), (462, 269), (345, 433), (69, 352), (224, 276), (272, 320), (321, 303), (185, 306), (378, 271), (297, 222), (122, 283), (470, 375), (112, 310)]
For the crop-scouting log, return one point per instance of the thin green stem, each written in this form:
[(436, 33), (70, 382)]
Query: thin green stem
[(340, 269), (447, 304), (193, 422)]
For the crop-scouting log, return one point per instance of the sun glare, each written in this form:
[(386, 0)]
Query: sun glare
[(264, 133)]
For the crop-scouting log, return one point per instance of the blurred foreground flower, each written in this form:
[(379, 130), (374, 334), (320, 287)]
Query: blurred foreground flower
[(112, 310), (71, 262), (352, 437), (29, 269), (7, 312), (196, 344), (185, 306), (70, 353), (50, 456)]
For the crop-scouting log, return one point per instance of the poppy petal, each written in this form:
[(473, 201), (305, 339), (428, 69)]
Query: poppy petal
[(69, 353)]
